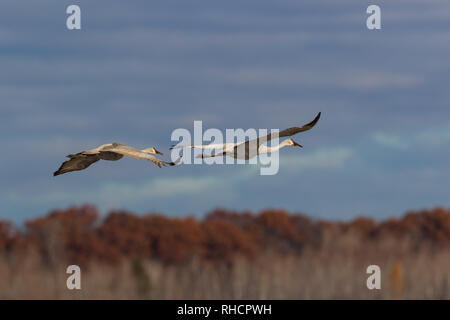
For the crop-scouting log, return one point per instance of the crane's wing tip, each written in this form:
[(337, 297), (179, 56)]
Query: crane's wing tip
[(313, 123)]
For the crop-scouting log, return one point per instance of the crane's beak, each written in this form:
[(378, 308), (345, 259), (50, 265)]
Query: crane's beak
[(157, 152), (297, 145)]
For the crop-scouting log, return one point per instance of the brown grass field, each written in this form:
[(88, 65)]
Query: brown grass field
[(226, 255)]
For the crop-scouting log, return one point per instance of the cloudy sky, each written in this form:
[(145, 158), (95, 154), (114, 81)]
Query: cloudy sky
[(138, 70)]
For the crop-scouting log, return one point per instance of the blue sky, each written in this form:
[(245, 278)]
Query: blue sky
[(138, 70)]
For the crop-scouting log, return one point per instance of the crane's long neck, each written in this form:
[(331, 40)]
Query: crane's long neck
[(283, 144)]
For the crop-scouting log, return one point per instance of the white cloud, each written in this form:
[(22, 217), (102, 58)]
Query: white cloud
[(162, 187), (114, 195), (433, 138), (390, 140), (211, 189), (327, 158)]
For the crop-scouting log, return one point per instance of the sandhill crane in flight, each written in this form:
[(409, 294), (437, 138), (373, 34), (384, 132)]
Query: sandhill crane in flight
[(112, 152), (249, 149)]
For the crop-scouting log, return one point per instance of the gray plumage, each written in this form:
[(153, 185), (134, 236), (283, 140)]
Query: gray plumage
[(110, 152), (250, 148)]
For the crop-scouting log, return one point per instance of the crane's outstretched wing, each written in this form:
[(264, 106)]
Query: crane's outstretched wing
[(138, 154), (285, 133), (294, 130), (77, 162), (112, 152)]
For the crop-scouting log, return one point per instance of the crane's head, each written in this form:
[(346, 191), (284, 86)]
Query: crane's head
[(292, 143), (152, 150)]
